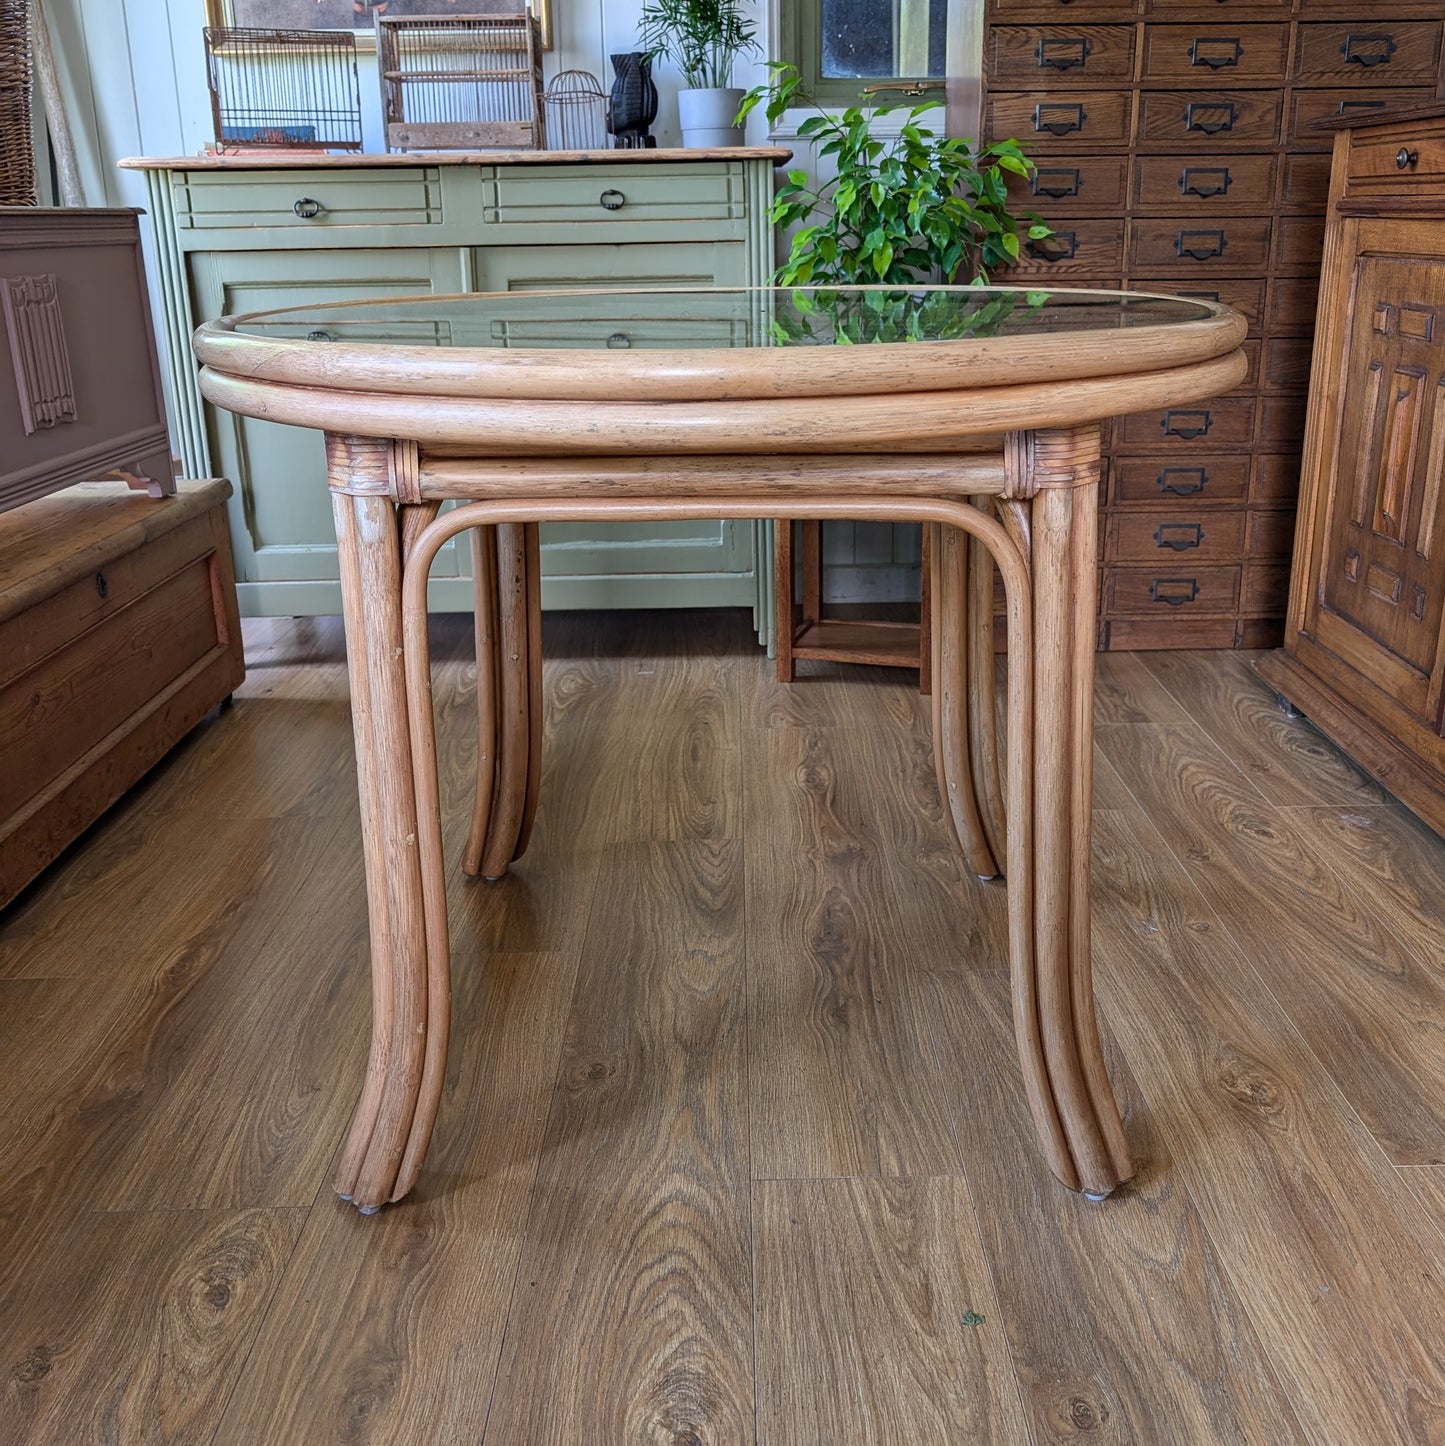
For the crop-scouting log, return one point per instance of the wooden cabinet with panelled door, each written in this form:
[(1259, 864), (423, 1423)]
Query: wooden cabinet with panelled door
[(1177, 152), (1364, 653)]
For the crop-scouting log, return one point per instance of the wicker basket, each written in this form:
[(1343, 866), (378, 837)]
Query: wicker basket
[(17, 151)]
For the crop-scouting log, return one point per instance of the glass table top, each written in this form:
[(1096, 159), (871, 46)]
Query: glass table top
[(722, 318)]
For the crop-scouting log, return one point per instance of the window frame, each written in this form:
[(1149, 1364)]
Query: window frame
[(800, 42)]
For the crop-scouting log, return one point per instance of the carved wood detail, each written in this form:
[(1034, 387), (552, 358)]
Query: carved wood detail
[(35, 329)]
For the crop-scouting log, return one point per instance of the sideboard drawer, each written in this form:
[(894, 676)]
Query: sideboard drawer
[(1196, 246), (1245, 297), (1209, 118), (1204, 185), (315, 200), (1309, 106), (1046, 54), (1368, 52), (1223, 424), (1078, 248), (1065, 186), (1051, 120), (1166, 591), (1391, 164), (1159, 536), (1235, 53), (1155, 480), (589, 195)]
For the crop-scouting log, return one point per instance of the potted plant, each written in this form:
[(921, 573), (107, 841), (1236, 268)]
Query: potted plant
[(901, 208), (703, 38)]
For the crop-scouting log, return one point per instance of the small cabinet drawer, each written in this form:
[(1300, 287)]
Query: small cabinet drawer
[(1219, 7), (1078, 10), (1306, 183), (1196, 246), (1245, 297), (1064, 186), (1198, 536), (1286, 364), (1225, 424), (1264, 590), (1298, 244), (314, 201), (1141, 592), (1269, 536), (1391, 163), (1281, 423), (1274, 480), (1292, 304), (1368, 51), (1207, 185), (1204, 118), (1060, 54), (1079, 248), (1052, 120), (1188, 54), (610, 196), (1309, 106), (1152, 480)]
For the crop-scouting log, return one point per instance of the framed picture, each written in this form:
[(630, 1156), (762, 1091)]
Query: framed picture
[(357, 15)]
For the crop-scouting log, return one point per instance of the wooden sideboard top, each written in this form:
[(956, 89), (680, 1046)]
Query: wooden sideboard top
[(281, 160)]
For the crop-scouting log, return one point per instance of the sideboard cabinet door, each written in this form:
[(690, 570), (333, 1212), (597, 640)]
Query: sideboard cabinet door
[(282, 532)]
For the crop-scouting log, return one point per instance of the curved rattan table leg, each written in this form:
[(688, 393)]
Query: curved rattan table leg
[(952, 750), (532, 561), (514, 698), (484, 631), (370, 557), (1064, 468), (983, 719)]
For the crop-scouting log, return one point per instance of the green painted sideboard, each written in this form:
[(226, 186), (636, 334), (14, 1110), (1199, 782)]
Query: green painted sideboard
[(246, 233)]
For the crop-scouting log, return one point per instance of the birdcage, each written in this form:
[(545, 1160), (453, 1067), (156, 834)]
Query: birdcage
[(575, 109), (460, 81), (284, 89), (17, 153)]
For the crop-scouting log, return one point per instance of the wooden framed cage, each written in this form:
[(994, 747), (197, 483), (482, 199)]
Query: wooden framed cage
[(283, 89), (461, 82)]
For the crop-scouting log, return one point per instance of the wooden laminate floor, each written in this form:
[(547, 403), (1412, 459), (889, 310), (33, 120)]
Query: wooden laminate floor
[(733, 1146)]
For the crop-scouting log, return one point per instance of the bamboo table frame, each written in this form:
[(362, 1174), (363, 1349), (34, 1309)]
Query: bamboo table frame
[(991, 443)]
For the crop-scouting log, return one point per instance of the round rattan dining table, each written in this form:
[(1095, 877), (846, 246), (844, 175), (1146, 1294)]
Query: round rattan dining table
[(973, 411)]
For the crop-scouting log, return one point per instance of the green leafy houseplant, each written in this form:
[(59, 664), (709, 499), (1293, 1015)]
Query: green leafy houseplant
[(702, 37), (901, 209)]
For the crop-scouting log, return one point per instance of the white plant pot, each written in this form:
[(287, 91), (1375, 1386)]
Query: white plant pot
[(706, 117)]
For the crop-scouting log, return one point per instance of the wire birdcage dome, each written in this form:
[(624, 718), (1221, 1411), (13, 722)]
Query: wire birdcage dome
[(575, 106)]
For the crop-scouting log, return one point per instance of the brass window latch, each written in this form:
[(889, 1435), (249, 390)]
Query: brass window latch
[(906, 87)]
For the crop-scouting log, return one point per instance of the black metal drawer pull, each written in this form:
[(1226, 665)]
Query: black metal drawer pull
[(1174, 591), (619, 341), (1201, 245), (1059, 120), (612, 200), (319, 336), (1205, 181), (1187, 425), (1368, 50), (1215, 51), (1056, 181), (1179, 536), (1062, 54), (1168, 480), (1061, 246), (1405, 158), (1213, 117), (306, 208)]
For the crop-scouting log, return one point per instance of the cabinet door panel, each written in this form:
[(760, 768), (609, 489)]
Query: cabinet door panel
[(1382, 585), (706, 562), (281, 523)]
